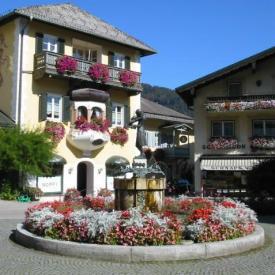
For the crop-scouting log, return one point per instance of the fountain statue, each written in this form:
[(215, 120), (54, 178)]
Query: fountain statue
[(145, 188)]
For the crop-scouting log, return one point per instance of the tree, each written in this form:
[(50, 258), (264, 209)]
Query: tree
[(25, 151), (261, 179)]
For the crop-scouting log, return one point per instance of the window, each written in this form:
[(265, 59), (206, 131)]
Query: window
[(223, 128), (117, 115), (235, 89), (82, 112), (119, 61), (263, 128), (96, 113), (85, 54), (54, 107), (50, 43), (152, 138)]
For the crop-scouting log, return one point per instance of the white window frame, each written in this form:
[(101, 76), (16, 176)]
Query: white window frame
[(152, 138), (115, 105), (119, 58), (222, 124), (59, 119), (263, 121), (47, 40)]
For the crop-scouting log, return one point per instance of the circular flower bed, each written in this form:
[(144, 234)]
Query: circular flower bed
[(66, 64), (119, 136), (93, 220)]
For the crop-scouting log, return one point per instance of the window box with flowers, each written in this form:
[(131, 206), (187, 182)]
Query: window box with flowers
[(88, 136), (66, 64), (222, 143), (262, 143), (128, 78), (99, 72), (55, 130), (119, 136)]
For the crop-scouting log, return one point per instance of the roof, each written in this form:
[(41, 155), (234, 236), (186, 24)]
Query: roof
[(233, 68), (156, 111), (5, 121), (74, 18)]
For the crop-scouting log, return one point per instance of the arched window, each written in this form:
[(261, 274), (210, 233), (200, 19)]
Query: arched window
[(82, 112), (96, 113)]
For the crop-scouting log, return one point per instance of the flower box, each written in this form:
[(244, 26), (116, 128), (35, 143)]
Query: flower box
[(222, 143), (264, 143), (99, 72), (128, 78), (66, 64), (119, 136)]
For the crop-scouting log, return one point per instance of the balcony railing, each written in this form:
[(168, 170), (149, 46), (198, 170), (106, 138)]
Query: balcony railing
[(241, 103), (45, 63)]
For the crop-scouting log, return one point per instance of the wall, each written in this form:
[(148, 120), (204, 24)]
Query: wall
[(243, 127)]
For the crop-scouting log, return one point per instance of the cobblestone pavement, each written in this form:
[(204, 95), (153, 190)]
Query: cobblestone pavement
[(15, 259)]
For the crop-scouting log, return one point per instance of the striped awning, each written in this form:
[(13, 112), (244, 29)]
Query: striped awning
[(230, 164)]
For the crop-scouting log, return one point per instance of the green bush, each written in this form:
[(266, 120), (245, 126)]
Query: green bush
[(8, 192), (33, 192)]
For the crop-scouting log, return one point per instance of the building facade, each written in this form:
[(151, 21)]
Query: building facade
[(52, 74), (234, 117)]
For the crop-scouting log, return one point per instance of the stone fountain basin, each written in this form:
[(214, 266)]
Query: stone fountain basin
[(130, 254)]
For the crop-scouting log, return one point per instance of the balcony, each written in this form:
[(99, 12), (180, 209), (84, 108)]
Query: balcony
[(239, 104), (45, 64)]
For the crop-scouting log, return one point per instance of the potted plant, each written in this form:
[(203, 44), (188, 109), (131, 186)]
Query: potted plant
[(128, 78), (66, 64), (119, 136), (55, 130), (99, 72)]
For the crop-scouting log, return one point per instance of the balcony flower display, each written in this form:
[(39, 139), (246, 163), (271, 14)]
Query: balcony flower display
[(55, 130), (119, 136), (99, 72), (66, 64), (222, 143), (99, 125), (227, 106), (128, 78), (262, 143)]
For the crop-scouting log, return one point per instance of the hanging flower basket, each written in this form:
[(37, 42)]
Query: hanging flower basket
[(66, 64), (119, 136), (222, 143), (128, 78), (55, 130), (99, 72), (264, 143)]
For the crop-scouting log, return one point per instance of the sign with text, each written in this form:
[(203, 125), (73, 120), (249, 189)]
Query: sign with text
[(50, 184)]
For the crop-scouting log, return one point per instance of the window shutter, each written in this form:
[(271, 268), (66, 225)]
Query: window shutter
[(127, 62), (61, 46), (43, 107), (109, 110), (39, 43), (126, 116), (111, 59), (66, 110)]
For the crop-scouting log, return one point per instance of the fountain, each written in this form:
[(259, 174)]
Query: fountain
[(143, 186)]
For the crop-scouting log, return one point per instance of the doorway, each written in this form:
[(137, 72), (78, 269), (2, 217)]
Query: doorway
[(85, 178)]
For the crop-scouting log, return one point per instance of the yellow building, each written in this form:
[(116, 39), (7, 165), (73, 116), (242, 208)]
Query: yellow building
[(39, 83)]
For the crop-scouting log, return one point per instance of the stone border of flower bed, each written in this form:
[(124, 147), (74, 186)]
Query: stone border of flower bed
[(141, 253)]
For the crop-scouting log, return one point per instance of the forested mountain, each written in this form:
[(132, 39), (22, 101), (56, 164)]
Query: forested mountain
[(166, 97)]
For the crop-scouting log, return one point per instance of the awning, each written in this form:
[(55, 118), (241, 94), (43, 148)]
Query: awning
[(230, 164)]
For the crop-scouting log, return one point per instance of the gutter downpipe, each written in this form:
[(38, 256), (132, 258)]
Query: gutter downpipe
[(22, 33)]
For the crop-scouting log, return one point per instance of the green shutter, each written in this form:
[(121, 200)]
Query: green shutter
[(66, 110), (43, 107), (127, 62), (111, 59), (126, 116), (109, 110), (39, 43), (61, 46)]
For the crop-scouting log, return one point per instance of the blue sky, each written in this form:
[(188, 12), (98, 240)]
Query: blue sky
[(192, 37)]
